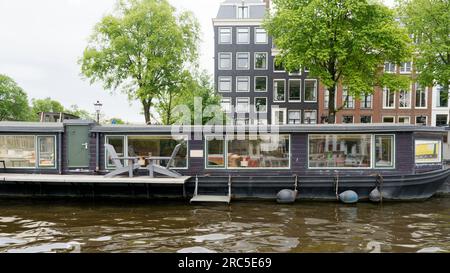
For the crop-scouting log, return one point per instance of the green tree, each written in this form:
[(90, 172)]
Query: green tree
[(197, 86), (429, 22), (13, 101), (44, 105), (340, 42), (81, 113), (141, 49)]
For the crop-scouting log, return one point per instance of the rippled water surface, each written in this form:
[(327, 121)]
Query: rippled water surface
[(168, 226)]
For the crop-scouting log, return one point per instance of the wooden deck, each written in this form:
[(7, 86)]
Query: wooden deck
[(54, 178)]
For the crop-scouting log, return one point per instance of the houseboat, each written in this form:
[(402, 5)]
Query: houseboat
[(69, 159)]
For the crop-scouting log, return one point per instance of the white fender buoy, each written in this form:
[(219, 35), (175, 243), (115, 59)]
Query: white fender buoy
[(349, 197), (375, 195), (286, 196)]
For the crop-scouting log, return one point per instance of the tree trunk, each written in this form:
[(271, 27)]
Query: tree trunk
[(147, 107), (331, 106), (169, 109)]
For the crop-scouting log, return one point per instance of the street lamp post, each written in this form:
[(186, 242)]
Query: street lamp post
[(98, 108)]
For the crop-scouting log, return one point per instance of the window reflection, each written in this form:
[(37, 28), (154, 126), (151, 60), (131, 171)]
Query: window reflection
[(384, 151)]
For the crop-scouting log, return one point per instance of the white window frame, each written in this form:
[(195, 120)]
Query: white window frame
[(384, 98), (304, 116), (408, 117), (231, 60), (416, 141), (409, 102), (393, 119), (325, 106), (353, 119), (248, 104), (230, 104), (237, 84), (254, 83), (403, 67), (246, 15), (289, 90), (220, 36), (248, 61), (267, 104), (278, 109), (231, 84), (426, 97), (237, 35), (275, 91), (316, 87), (254, 61), (256, 34), (278, 71), (391, 72), (393, 152), (361, 102), (300, 117), (426, 119)]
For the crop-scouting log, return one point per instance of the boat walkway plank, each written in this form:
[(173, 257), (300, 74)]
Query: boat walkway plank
[(55, 178)]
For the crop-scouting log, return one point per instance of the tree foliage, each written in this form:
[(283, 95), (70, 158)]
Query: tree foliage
[(429, 22), (340, 42), (13, 101), (142, 49), (44, 105)]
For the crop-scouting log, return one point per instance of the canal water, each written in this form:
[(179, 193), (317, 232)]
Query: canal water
[(168, 226)]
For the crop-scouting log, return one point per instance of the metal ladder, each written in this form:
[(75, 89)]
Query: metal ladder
[(212, 198)]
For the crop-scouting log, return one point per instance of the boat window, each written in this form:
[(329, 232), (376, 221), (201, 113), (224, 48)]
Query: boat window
[(18, 151), (215, 152), (384, 151), (46, 145), (261, 151), (145, 146), (428, 151), (118, 143), (340, 151)]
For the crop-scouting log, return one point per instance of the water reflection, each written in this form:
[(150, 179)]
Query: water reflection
[(51, 226)]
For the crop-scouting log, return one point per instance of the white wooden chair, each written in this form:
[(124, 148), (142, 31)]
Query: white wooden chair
[(117, 161), (164, 170)]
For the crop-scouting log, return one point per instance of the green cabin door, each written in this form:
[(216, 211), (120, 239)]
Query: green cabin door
[(78, 146)]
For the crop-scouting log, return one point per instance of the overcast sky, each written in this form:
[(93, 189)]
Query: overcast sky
[(41, 41)]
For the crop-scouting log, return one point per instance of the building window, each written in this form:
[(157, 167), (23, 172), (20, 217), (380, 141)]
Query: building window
[(421, 97), (118, 143), (388, 120), (294, 117), (261, 61), (260, 84), (310, 117), (279, 90), (242, 84), (226, 105), (225, 35), (163, 146), (340, 151), (347, 119), (404, 99), (366, 102), (242, 12), (225, 84), (278, 66), (404, 120), (225, 61), (46, 151), (294, 90), (326, 99), (366, 119), (265, 152), (389, 67), (243, 35), (421, 120), (242, 105), (261, 105), (347, 99), (18, 151), (384, 151), (405, 67), (441, 120), (428, 151), (388, 98), (261, 36), (278, 116), (243, 60), (442, 100), (242, 121), (215, 149), (310, 90)]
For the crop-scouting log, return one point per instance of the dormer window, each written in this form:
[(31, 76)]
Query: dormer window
[(242, 12)]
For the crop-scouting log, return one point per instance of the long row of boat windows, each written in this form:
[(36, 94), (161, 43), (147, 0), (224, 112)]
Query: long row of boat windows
[(358, 151)]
